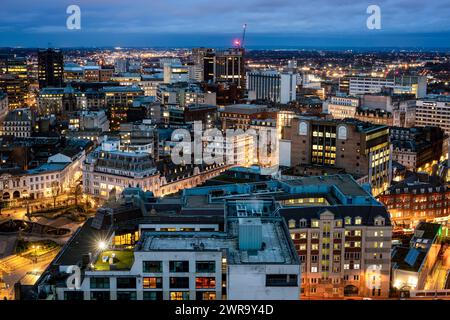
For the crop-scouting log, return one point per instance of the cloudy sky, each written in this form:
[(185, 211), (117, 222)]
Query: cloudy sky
[(184, 23)]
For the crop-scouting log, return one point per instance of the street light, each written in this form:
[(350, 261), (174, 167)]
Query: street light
[(102, 245)]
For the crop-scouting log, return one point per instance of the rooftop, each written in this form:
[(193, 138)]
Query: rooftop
[(275, 248)]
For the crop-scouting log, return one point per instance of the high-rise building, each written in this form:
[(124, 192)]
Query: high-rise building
[(272, 85), (16, 89), (230, 66), (198, 61), (209, 66), (51, 68)]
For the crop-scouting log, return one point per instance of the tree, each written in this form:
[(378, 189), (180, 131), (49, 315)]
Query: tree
[(76, 192), (55, 192)]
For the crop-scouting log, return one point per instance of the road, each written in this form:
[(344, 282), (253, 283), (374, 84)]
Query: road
[(18, 268)]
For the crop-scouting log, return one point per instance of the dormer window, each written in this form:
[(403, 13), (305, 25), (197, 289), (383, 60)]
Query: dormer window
[(315, 223), (348, 220), (338, 223), (291, 224), (358, 220), (302, 222), (379, 221)]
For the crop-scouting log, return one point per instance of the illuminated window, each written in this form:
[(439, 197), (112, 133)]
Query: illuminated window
[(152, 282), (291, 223), (348, 220), (313, 269), (358, 220), (205, 283), (205, 295), (179, 295)]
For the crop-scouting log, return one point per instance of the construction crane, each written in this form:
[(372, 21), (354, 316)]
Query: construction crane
[(240, 43)]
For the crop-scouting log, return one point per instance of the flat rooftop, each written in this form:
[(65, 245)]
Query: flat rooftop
[(276, 249), (344, 183)]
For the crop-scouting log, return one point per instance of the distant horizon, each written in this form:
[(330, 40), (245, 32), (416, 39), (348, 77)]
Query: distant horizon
[(427, 42)]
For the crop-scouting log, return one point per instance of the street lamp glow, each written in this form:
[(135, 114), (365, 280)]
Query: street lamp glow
[(102, 245)]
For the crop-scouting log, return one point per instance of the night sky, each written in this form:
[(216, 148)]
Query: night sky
[(187, 23)]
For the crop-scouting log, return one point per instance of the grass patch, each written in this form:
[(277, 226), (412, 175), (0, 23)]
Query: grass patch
[(123, 260)]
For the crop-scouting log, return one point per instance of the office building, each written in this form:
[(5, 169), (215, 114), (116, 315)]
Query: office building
[(359, 148), (230, 67), (272, 86), (174, 73), (240, 116), (233, 257), (360, 85), (16, 89), (417, 148), (118, 101), (60, 101), (51, 68), (341, 106), (433, 110)]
